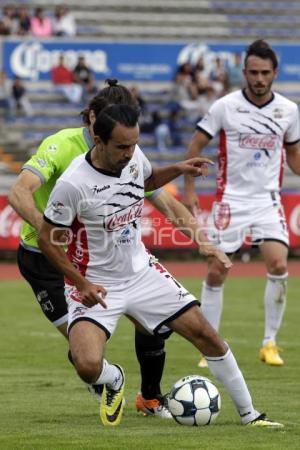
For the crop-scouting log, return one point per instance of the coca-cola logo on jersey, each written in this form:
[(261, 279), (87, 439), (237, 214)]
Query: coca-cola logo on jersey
[(123, 217), (258, 141)]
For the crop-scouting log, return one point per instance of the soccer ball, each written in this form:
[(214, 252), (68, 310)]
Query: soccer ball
[(194, 400)]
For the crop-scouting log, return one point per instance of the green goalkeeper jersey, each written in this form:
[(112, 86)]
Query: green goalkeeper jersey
[(52, 158)]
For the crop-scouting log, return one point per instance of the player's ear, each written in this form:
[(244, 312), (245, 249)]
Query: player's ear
[(92, 117), (98, 142)]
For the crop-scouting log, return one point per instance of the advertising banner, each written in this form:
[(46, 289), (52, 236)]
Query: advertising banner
[(10, 226), (33, 59), (157, 231)]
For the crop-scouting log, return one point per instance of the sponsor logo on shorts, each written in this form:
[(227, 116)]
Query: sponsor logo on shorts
[(78, 312), (222, 215)]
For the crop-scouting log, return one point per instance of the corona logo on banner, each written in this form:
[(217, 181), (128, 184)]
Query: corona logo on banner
[(30, 59)]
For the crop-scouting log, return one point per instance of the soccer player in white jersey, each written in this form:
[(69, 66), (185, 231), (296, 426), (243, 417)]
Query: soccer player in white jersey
[(29, 196), (259, 130), (108, 270)]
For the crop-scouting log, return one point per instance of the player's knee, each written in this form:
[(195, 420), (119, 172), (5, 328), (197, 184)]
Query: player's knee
[(278, 266), (87, 367), (216, 276)]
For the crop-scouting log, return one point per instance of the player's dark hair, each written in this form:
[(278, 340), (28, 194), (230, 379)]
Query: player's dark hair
[(110, 116), (113, 94), (261, 49)]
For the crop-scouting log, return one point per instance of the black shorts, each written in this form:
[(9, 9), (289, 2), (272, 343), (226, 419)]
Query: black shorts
[(47, 284)]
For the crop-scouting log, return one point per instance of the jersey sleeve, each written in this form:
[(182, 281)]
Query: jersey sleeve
[(211, 123), (48, 158), (292, 134), (63, 204), (147, 167)]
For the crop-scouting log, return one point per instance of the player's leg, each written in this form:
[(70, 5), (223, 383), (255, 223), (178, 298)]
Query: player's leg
[(275, 256), (48, 286), (150, 354), (88, 333), (270, 232), (167, 304), (193, 326), (213, 291), (226, 230), (151, 357)]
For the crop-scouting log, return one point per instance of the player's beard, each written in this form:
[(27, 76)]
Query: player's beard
[(260, 91)]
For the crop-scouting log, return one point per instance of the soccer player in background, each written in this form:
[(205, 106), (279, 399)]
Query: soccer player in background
[(108, 271), (29, 197), (257, 128)]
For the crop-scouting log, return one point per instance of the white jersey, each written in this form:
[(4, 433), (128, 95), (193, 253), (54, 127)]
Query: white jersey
[(103, 212), (251, 154)]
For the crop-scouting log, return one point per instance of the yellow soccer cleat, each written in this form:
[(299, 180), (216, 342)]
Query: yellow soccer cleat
[(112, 403), (202, 363), (270, 354), (263, 421)]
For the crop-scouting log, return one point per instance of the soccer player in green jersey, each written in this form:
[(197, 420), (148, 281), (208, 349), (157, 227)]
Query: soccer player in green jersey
[(29, 197)]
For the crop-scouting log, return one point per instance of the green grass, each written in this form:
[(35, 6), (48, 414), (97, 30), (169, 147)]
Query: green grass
[(43, 405)]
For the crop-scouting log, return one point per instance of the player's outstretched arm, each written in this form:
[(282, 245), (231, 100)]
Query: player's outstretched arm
[(178, 214), (198, 142), (163, 175), (21, 198), (50, 242)]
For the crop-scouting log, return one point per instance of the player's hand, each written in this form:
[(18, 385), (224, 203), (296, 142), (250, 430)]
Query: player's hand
[(207, 249), (195, 166), (92, 294)]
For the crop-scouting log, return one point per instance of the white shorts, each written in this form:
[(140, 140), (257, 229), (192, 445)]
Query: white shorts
[(152, 298), (234, 222)]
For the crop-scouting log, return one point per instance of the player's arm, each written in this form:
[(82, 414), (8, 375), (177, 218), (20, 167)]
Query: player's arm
[(21, 197), (198, 142), (293, 157), (50, 242), (180, 217), (163, 175)]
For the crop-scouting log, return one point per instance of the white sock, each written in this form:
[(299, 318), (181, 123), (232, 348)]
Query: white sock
[(110, 375), (227, 372), (275, 301), (212, 304)]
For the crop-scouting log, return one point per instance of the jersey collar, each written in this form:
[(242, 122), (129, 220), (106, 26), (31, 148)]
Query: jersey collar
[(104, 172), (252, 103)]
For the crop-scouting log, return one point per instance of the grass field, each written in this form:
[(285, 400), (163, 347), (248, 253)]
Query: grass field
[(43, 405)]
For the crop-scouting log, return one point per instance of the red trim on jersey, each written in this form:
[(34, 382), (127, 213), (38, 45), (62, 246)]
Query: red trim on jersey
[(281, 169), (222, 169), (78, 250)]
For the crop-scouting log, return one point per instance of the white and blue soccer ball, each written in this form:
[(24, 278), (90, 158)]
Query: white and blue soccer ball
[(194, 400)]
